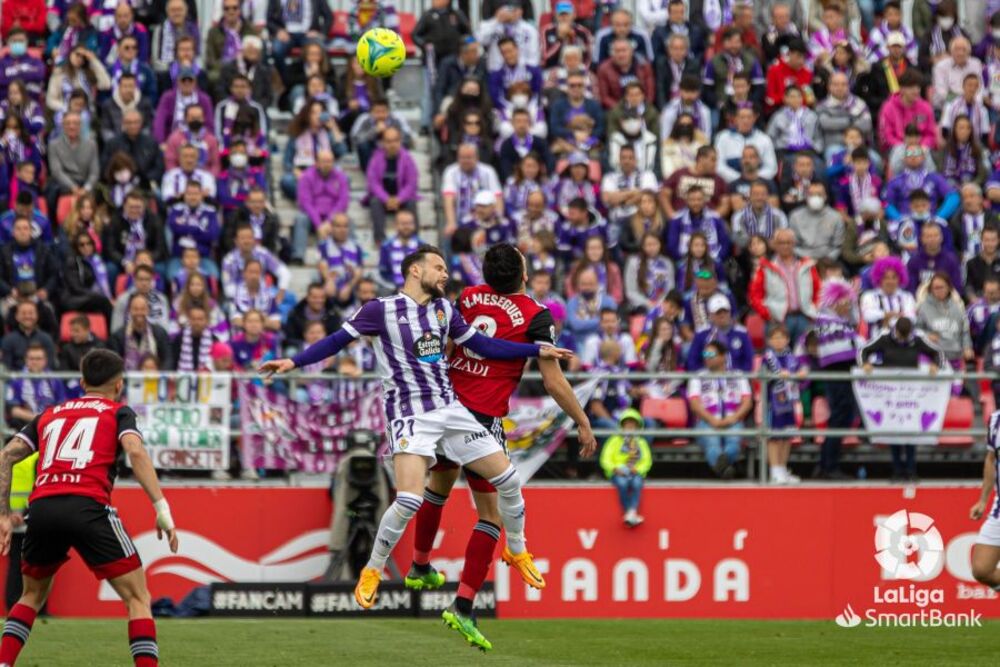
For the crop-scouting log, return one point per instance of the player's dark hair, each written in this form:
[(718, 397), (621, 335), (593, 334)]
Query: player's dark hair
[(418, 255), (503, 269), (80, 321), (609, 311), (675, 297), (99, 367)]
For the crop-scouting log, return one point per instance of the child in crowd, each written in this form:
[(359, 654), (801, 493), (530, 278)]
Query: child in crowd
[(782, 396)]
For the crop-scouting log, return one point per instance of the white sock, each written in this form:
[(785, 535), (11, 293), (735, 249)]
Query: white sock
[(779, 473), (392, 526), (510, 502)]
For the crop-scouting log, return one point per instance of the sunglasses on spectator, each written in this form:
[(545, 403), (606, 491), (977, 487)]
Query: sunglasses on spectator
[(85, 244), (709, 354), (913, 152), (574, 85), (704, 275), (472, 121)]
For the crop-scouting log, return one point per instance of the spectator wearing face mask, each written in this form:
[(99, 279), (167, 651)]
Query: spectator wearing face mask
[(819, 229)]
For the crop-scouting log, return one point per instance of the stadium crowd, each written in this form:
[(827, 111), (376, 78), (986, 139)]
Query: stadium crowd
[(709, 185)]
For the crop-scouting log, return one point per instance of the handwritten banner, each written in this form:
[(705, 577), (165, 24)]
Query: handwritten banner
[(888, 405), (184, 419)]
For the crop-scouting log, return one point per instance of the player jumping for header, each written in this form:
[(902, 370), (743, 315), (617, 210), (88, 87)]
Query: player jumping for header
[(502, 310), (410, 333), (78, 443)]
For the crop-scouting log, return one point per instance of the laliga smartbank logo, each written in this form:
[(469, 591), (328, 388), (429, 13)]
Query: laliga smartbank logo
[(908, 547), (904, 554)]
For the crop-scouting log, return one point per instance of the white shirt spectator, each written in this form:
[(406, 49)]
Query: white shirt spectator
[(720, 396), (465, 186), (591, 352), (522, 32), (616, 181), (729, 145), (175, 180)]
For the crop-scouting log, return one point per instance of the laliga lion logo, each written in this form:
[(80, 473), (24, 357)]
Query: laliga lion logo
[(848, 618), (906, 555)]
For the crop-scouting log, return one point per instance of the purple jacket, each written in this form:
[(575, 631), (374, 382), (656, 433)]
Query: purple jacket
[(27, 69), (319, 197), (922, 266), (163, 123), (407, 177)]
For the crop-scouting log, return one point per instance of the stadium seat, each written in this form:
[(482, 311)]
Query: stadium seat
[(98, 325), (64, 206), (672, 412), (636, 324), (959, 417), (407, 22), (985, 386), (121, 283), (756, 327)]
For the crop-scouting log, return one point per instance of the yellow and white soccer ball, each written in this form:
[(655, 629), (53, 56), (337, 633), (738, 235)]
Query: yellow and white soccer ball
[(381, 52)]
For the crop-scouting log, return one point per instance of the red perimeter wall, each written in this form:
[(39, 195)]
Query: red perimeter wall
[(703, 552)]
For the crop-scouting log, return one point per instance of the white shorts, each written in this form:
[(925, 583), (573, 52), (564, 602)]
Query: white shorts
[(989, 532), (453, 432)]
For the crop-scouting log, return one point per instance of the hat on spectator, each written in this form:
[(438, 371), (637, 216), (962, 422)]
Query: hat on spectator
[(717, 303), (632, 415), (557, 310), (186, 73), (578, 157), (221, 350), (564, 8), (484, 198), (895, 38)]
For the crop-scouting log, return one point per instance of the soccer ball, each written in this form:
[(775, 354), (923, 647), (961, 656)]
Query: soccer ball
[(381, 52)]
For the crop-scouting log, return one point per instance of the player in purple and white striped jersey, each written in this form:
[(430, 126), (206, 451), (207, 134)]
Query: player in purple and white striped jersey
[(986, 551), (410, 333)]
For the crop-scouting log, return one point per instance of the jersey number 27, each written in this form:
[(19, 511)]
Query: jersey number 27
[(75, 447)]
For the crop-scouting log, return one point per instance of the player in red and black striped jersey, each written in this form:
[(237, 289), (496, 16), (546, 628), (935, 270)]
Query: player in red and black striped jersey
[(78, 443), (499, 309)]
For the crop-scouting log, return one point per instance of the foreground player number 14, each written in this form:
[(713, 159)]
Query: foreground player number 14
[(75, 447)]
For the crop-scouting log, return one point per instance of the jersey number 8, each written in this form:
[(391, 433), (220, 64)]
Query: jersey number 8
[(485, 325)]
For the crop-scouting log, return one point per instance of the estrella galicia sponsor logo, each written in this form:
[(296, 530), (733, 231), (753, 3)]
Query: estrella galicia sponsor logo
[(428, 348)]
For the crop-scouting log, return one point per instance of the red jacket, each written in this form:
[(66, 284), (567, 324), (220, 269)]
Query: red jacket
[(768, 294), (609, 82), (779, 77), (29, 15)]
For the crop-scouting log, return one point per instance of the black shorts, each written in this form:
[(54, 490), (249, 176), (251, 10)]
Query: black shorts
[(57, 523), (476, 482)]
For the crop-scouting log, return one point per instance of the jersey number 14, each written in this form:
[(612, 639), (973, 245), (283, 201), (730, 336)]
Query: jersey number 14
[(75, 448)]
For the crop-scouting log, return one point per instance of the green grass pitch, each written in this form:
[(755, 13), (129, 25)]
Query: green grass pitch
[(281, 643)]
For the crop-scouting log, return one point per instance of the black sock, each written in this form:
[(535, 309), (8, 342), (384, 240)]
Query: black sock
[(463, 606), (420, 569)]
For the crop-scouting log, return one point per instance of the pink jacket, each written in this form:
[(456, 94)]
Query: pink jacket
[(895, 116)]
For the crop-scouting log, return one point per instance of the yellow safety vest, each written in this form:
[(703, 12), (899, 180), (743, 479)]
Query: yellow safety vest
[(22, 482)]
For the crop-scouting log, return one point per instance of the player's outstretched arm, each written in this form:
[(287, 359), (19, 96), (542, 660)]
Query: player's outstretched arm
[(558, 388), (989, 479), (145, 474), (497, 348), (16, 450), (319, 351)]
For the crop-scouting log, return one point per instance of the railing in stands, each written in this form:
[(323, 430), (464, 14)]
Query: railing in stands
[(758, 431)]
